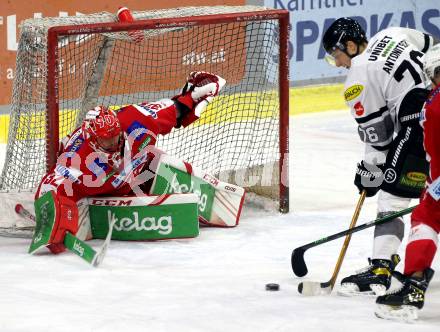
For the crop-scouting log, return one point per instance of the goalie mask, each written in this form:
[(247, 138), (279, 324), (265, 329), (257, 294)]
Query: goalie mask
[(103, 130)]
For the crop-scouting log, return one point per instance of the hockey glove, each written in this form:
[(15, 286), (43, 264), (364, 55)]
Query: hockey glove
[(199, 90), (368, 177), (55, 215)]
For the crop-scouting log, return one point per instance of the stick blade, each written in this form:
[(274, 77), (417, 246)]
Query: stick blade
[(298, 264), (313, 288), (101, 254)]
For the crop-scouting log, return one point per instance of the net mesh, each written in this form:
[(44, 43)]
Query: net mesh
[(237, 137)]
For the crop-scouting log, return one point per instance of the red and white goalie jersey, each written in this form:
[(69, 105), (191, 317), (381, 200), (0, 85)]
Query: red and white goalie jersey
[(84, 168)]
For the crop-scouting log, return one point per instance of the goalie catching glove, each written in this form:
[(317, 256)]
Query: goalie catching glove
[(199, 90)]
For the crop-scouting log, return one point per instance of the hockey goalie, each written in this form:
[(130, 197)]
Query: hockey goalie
[(111, 159)]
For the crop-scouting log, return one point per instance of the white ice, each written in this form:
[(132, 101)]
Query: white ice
[(216, 282)]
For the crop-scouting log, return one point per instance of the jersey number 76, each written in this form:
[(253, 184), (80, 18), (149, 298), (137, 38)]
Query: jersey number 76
[(406, 65)]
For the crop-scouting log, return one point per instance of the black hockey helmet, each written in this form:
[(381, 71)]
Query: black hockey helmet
[(341, 31)]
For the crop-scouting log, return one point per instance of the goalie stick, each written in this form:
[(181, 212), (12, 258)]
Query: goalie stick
[(24, 232), (17, 232), (299, 266), (75, 245)]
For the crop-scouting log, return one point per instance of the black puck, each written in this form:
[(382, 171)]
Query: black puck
[(272, 287)]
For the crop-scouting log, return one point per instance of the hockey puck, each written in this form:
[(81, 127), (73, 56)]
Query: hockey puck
[(272, 287)]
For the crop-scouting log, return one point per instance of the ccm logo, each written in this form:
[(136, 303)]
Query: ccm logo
[(110, 202), (230, 188), (210, 179)]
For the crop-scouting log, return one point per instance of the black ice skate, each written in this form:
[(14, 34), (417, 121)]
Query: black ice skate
[(375, 279), (404, 303)]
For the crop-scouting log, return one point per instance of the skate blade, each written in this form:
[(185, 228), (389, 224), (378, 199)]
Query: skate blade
[(351, 289), (378, 289), (404, 313)]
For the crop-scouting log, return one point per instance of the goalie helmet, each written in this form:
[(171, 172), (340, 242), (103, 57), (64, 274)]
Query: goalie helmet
[(431, 62), (103, 130), (340, 32)]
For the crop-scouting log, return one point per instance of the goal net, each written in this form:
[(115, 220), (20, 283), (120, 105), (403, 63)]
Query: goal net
[(68, 65)]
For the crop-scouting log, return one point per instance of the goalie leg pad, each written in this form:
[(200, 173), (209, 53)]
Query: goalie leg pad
[(145, 217), (220, 203)]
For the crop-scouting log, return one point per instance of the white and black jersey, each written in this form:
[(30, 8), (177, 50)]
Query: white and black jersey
[(378, 80)]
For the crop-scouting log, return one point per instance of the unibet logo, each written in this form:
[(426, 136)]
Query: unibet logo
[(353, 92), (163, 225), (78, 248)]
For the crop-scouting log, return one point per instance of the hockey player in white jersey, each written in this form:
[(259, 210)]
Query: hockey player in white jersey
[(385, 90)]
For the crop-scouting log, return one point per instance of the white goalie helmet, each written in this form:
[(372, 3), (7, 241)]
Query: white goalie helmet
[(431, 62)]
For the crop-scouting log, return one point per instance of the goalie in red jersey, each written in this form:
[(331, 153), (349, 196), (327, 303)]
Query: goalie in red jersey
[(111, 152), (111, 149), (404, 303)]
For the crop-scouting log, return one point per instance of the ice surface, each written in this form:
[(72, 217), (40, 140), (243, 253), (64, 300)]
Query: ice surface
[(216, 282)]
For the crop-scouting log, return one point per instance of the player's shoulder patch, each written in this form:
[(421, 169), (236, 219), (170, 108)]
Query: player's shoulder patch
[(352, 92)]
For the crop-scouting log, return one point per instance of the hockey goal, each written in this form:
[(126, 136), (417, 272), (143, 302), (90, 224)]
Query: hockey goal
[(68, 65)]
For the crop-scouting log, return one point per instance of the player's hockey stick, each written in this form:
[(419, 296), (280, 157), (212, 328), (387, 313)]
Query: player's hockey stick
[(322, 288), (344, 248), (298, 264), (75, 245)]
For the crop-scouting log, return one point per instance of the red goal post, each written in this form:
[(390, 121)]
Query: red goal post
[(257, 97)]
